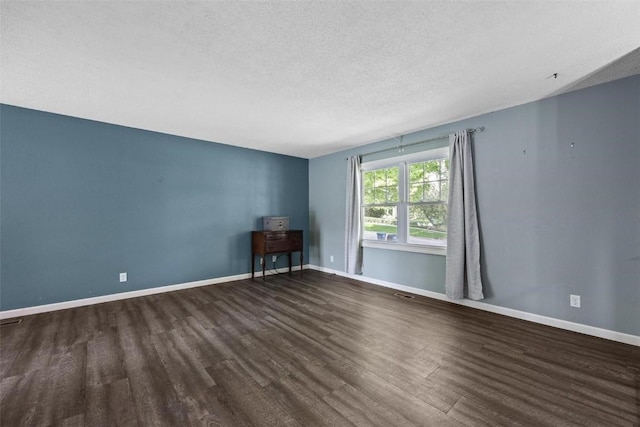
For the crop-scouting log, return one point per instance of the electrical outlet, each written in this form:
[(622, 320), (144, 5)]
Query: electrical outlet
[(274, 258), (574, 301), (123, 277), (331, 258)]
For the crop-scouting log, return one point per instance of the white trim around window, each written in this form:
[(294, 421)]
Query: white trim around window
[(405, 247)]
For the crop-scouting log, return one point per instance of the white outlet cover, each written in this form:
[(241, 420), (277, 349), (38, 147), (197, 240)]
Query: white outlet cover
[(574, 301), (331, 258), (123, 277)]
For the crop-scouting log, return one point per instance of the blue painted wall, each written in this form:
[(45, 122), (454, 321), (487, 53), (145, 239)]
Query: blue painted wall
[(555, 220), (82, 201)]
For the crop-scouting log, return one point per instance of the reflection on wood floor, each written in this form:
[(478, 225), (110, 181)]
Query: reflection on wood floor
[(307, 351)]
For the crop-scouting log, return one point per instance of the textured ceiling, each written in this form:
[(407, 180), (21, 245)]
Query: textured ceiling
[(304, 78)]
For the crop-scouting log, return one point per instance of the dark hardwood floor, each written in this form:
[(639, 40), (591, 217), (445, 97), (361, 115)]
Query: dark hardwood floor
[(318, 350)]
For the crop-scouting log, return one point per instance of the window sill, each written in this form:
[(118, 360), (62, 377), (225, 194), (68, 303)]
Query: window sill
[(421, 249)]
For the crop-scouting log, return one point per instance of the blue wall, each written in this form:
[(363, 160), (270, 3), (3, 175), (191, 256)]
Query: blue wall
[(555, 220), (82, 201)]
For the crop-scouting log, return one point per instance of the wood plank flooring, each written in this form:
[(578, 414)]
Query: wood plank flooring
[(312, 351)]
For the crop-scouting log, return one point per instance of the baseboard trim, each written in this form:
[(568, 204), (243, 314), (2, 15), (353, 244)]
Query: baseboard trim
[(523, 315), (26, 311)]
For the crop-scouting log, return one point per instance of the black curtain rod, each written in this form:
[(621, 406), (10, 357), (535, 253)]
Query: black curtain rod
[(399, 147)]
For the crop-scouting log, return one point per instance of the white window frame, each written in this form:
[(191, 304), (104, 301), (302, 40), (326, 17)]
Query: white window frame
[(402, 163)]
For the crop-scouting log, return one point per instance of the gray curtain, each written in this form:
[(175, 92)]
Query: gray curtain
[(353, 226), (463, 238)]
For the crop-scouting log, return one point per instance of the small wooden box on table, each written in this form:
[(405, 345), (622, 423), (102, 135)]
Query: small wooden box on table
[(275, 242)]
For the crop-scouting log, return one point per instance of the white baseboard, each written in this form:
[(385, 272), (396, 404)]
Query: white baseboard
[(19, 312), (536, 318)]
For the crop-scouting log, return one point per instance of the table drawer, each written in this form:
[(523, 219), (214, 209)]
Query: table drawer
[(277, 241), (280, 235), (282, 245)]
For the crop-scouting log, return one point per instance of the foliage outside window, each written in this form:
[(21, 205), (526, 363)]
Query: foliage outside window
[(407, 203)]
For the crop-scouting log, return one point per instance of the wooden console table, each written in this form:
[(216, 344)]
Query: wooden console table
[(275, 242)]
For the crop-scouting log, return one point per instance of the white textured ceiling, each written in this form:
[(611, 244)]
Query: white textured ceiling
[(303, 78)]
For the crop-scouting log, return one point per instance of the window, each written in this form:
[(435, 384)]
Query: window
[(405, 199)]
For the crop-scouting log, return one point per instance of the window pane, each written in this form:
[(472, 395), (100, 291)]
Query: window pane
[(432, 193), (416, 193), (368, 196), (428, 180), (445, 167), (392, 194), (416, 172), (428, 222), (392, 176), (368, 179), (379, 194), (381, 186), (380, 223)]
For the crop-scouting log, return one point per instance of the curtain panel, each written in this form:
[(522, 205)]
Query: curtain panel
[(463, 238), (353, 225)]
